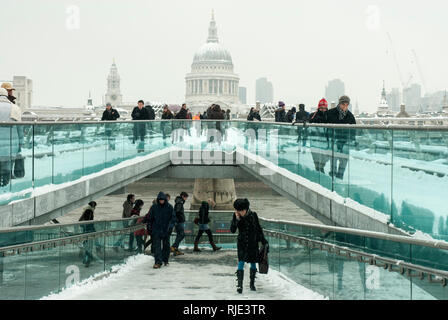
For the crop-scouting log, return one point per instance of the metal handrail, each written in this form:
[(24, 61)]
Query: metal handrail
[(18, 248), (305, 124), (437, 244), (389, 263), (57, 225)]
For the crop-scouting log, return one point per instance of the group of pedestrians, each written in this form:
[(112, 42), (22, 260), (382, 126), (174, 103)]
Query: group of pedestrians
[(162, 217), (322, 150)]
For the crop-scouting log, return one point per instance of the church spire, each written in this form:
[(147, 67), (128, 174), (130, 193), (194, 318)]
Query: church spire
[(212, 30)]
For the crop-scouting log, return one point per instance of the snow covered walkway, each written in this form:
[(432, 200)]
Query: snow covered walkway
[(194, 276)]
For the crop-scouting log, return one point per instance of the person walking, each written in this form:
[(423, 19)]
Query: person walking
[(280, 113), (249, 234), (203, 222), (228, 114), (319, 137), (135, 212), (302, 132), (166, 126), (341, 115), (88, 215), (180, 222), (140, 113), (290, 115), (160, 221), (110, 114)]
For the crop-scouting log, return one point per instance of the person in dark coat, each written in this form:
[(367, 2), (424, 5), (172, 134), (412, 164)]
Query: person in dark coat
[(290, 115), (135, 212), (214, 127), (280, 113), (228, 115), (140, 113), (160, 223), (165, 125), (151, 112), (183, 113), (342, 137), (302, 132), (253, 114), (250, 233), (319, 137), (110, 114), (203, 222), (180, 222), (87, 215)]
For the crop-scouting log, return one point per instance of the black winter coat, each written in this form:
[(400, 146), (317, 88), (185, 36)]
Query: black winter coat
[(138, 114), (160, 218), (280, 115), (167, 115), (182, 114), (250, 233), (290, 116), (179, 209), (151, 113), (110, 115), (342, 136), (87, 215), (203, 213), (302, 116)]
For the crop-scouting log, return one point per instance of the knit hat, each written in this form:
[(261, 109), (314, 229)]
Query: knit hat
[(344, 99), (281, 103), (323, 103)]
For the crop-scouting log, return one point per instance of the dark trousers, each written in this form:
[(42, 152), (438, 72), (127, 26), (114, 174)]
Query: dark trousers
[(161, 248), (140, 243), (208, 232), (131, 240), (180, 234)]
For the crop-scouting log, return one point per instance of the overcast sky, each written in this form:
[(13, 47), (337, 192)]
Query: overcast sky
[(298, 45)]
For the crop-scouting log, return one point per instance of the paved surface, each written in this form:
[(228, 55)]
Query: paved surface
[(266, 202)]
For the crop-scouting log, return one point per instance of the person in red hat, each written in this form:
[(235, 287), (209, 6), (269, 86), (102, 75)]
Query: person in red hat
[(319, 138)]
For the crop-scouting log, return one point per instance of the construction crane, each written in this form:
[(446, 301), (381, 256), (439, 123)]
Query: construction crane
[(396, 60), (419, 71)]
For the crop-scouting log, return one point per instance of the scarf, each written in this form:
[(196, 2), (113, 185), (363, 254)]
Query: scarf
[(342, 113)]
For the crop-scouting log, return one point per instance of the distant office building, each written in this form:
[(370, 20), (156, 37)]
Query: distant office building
[(393, 98), (264, 91), (334, 90), (433, 102), (242, 93), (23, 91), (412, 98)]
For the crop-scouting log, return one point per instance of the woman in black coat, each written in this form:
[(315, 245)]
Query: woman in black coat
[(250, 233), (203, 222)]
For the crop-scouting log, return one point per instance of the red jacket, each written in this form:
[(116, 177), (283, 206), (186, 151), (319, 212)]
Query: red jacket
[(141, 232)]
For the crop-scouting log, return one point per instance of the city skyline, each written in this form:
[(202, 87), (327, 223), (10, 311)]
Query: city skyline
[(153, 43)]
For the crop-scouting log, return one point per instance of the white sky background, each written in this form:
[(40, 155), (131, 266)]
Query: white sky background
[(298, 45)]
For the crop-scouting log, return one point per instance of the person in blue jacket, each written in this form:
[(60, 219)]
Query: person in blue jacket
[(160, 220)]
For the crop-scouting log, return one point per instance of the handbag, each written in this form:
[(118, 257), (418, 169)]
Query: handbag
[(19, 166), (263, 261)]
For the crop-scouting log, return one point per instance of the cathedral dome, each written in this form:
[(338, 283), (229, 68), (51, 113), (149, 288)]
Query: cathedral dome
[(212, 52)]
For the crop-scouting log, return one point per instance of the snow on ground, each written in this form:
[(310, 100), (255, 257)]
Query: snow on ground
[(193, 276)]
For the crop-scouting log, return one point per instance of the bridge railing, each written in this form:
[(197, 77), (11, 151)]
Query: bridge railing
[(399, 171), (339, 263)]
